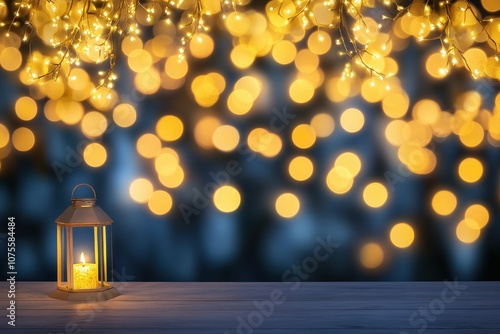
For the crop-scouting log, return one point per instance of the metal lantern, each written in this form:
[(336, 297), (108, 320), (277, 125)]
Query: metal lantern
[(83, 230)]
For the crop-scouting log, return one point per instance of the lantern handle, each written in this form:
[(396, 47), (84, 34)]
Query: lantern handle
[(82, 184)]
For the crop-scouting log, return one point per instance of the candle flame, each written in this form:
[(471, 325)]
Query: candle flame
[(82, 258)]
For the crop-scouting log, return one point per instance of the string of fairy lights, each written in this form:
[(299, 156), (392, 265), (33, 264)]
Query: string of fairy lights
[(66, 53)]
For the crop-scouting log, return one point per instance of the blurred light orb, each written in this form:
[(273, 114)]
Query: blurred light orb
[(95, 155), (204, 131), (352, 120), (4, 135), (323, 125), (303, 136), (284, 52), (93, 124), (287, 205), (148, 145), (201, 45), (479, 214), (371, 255), (169, 128), (160, 202), (349, 161), (23, 139), (226, 138), (402, 235), (375, 195), (26, 108), (339, 180), (140, 190), (444, 202), (301, 91), (470, 170), (124, 115), (227, 199), (468, 231), (300, 168)]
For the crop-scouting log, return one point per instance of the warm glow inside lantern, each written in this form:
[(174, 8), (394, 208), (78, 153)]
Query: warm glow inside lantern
[(84, 229)]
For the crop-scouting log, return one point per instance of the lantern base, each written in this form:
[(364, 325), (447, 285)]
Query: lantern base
[(86, 296)]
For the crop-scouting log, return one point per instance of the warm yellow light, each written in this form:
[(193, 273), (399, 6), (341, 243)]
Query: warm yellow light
[(479, 214), (352, 120), (124, 115), (148, 145), (204, 130), (140, 190), (226, 138), (287, 205), (444, 202), (323, 125), (95, 155), (284, 52), (169, 128), (470, 170), (166, 162), (4, 135), (23, 139), (227, 198), (301, 91), (471, 134), (339, 180), (375, 194), (160, 202), (300, 168), (93, 124), (303, 136), (84, 274), (468, 231), (349, 161), (402, 235), (371, 255), (26, 108)]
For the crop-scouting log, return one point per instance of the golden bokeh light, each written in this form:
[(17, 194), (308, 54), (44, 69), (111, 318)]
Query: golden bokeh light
[(468, 231), (201, 46), (227, 198), (26, 108), (4, 135), (339, 180), (173, 180), (300, 168), (140, 190), (148, 145), (479, 214), (204, 131), (23, 139), (303, 136), (284, 52), (124, 115), (93, 124), (375, 194), (10, 59), (160, 202), (226, 138), (166, 162), (402, 235), (471, 134), (169, 128), (301, 91), (323, 125), (352, 120), (470, 170), (349, 161), (444, 202), (95, 155), (371, 255), (287, 205)]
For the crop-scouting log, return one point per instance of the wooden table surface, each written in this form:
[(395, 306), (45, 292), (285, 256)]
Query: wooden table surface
[(282, 308)]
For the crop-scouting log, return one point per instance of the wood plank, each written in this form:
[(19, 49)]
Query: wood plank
[(185, 308)]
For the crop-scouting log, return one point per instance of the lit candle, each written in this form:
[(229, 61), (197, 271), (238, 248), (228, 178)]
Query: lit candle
[(84, 274)]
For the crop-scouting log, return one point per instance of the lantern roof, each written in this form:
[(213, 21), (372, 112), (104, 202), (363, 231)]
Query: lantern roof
[(83, 212)]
